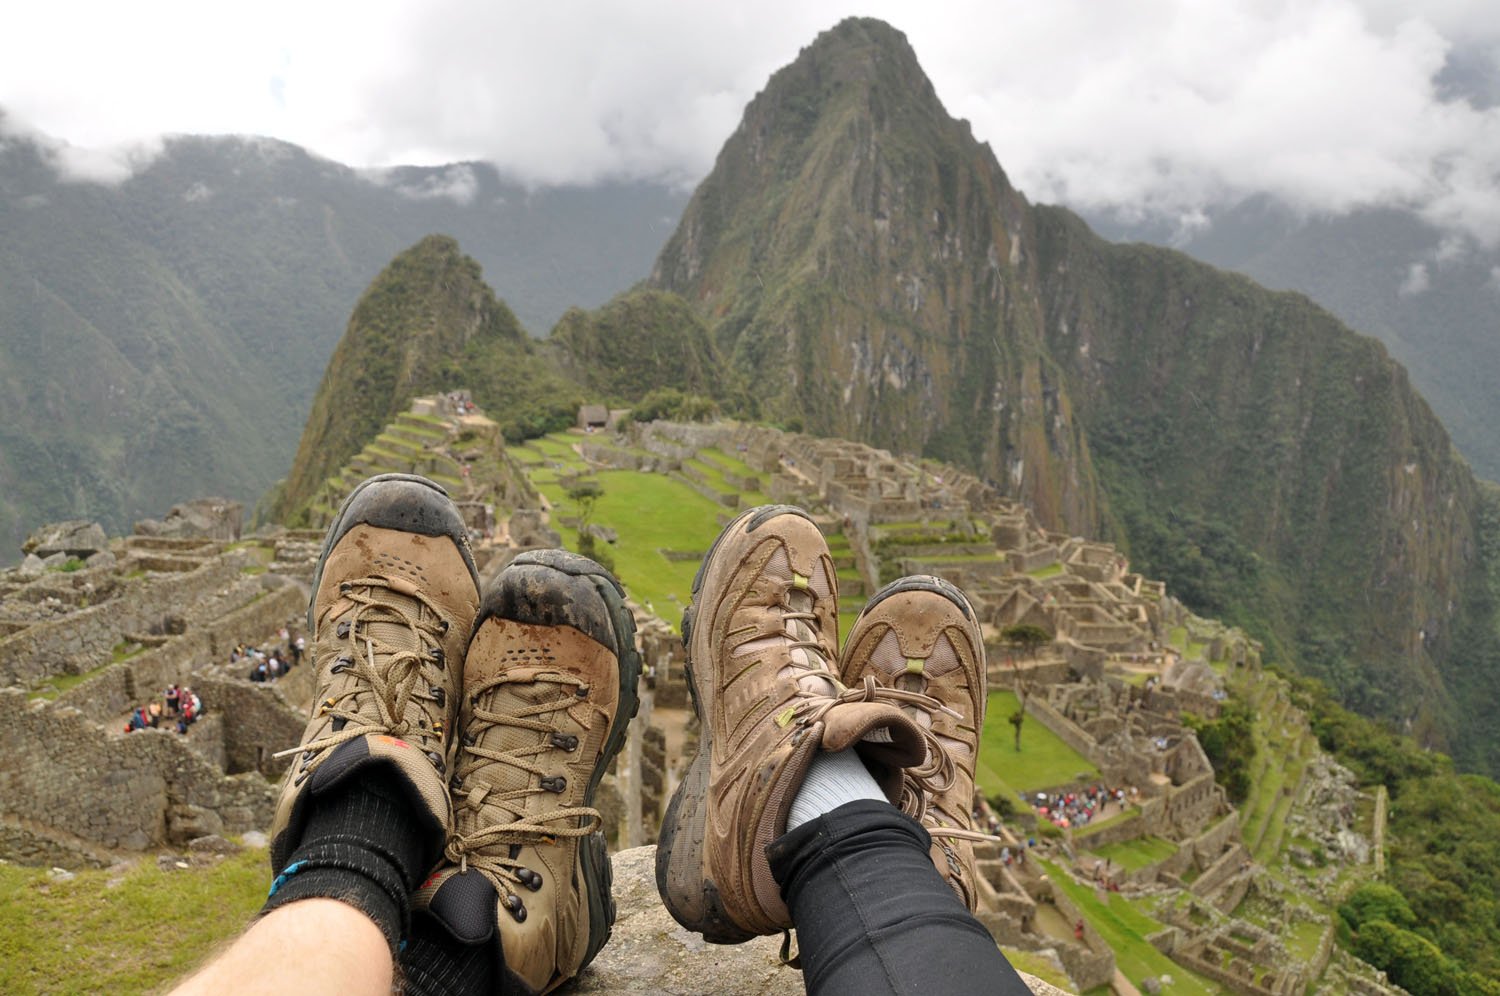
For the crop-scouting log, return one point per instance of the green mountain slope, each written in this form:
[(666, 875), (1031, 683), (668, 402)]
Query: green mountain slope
[(164, 336), (1359, 266), (858, 258), (861, 256), (428, 323)]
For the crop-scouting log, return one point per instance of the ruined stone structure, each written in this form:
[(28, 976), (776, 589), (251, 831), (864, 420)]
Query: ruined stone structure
[(1124, 664)]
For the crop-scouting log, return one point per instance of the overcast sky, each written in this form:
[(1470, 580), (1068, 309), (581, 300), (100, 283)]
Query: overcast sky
[(1163, 107)]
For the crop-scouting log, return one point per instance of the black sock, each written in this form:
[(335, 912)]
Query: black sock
[(362, 846), (434, 963)]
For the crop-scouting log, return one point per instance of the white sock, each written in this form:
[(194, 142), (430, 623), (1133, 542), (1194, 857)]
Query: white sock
[(832, 780)]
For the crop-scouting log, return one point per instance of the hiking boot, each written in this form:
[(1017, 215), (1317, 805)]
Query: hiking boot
[(760, 633), (394, 597), (920, 635), (549, 689)]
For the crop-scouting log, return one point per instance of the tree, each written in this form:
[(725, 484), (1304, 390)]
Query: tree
[(1027, 637), (585, 493)]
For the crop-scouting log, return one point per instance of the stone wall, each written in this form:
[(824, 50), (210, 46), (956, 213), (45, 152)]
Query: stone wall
[(80, 641), (264, 721), (128, 791)]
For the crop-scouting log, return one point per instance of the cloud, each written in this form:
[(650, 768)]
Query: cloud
[(1417, 281), (1161, 108), (110, 164), (458, 183)]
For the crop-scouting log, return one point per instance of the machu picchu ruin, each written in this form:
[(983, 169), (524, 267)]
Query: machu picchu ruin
[(1091, 775)]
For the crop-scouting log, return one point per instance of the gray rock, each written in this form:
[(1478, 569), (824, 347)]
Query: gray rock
[(213, 844), (649, 953), (1151, 986), (31, 566), (202, 518), (75, 538), (103, 558), (253, 838), (61, 875)]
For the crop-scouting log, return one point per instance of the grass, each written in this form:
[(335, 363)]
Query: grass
[(154, 926), (632, 505), (1133, 855), (1034, 963), (1044, 759), (59, 683), (1125, 929)]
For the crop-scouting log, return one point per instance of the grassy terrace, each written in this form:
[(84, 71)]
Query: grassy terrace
[(649, 512), (1133, 855), (1126, 928), (146, 931), (1044, 760)]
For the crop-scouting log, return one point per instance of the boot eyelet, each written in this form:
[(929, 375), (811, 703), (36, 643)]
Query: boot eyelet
[(437, 761), (345, 587), (342, 629), (529, 878), (438, 695), (517, 909), (566, 742), (555, 783)]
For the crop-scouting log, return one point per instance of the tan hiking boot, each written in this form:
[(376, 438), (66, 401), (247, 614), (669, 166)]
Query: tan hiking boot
[(549, 689), (394, 597), (920, 635), (760, 633)]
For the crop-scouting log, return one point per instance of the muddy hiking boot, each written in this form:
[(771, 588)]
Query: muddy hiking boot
[(920, 635), (393, 603), (549, 689), (760, 632)]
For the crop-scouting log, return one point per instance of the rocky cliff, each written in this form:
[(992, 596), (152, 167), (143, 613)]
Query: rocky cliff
[(867, 260)]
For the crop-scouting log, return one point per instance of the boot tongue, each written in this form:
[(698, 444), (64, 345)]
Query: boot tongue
[(813, 676), (382, 623)]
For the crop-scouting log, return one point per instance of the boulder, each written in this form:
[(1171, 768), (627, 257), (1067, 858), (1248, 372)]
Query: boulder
[(202, 518), (73, 538), (649, 953)]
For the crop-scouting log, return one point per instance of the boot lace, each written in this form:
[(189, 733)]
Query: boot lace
[(389, 677), (494, 848)]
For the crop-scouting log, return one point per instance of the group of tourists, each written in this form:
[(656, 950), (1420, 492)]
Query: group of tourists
[(1076, 809), (179, 707), (268, 665)]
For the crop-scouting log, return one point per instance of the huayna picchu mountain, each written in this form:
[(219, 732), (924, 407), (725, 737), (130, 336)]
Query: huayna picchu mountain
[(863, 261)]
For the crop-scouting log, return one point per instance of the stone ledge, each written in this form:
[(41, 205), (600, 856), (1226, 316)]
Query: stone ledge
[(650, 953)]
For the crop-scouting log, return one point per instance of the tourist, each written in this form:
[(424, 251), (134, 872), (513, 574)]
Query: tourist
[(384, 863), (171, 695)]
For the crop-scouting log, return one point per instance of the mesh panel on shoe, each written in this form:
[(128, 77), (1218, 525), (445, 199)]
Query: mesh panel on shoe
[(944, 659)]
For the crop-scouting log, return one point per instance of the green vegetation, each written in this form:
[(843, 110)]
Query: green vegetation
[(1443, 850), (1125, 928), (151, 928), (50, 688), (1133, 855), (1230, 745), (1044, 760)]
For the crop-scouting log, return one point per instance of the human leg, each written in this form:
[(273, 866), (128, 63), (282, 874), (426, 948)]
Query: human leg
[(364, 810), (523, 902), (919, 635), (873, 914), (761, 633)]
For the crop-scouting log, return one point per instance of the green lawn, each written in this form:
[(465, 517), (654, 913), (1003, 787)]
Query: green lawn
[(650, 512), (1125, 929), (1044, 760), (1136, 854), (149, 930)]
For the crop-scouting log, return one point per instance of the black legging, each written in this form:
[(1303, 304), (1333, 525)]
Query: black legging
[(873, 915)]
